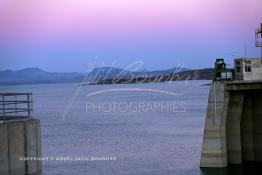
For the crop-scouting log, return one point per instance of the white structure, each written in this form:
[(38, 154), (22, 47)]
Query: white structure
[(248, 69)]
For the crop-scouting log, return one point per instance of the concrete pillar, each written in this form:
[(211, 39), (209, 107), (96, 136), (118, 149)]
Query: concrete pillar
[(214, 142), (246, 125), (4, 163), (20, 139), (16, 148), (233, 131), (38, 145), (31, 146), (257, 116)]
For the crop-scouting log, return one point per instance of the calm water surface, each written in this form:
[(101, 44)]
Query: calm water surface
[(154, 142)]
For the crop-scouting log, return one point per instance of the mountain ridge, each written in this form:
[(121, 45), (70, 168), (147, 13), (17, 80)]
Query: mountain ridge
[(35, 75)]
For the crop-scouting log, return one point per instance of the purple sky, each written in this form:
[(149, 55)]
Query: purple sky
[(65, 35)]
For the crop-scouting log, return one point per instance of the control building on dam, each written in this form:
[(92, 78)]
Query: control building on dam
[(233, 127)]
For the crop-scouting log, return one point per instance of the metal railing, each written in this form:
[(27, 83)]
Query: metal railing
[(259, 37), (15, 106)]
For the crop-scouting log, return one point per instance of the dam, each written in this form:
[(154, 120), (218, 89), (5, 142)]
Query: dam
[(233, 126), (233, 132)]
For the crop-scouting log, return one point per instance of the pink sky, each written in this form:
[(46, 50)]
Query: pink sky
[(101, 18), (141, 28)]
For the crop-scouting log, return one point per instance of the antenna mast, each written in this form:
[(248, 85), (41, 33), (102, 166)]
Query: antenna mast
[(259, 38)]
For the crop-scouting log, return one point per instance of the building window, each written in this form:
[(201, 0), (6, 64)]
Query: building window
[(229, 75), (248, 66), (238, 67)]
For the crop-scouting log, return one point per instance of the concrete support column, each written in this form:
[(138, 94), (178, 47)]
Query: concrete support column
[(4, 163), (214, 142), (233, 131), (31, 146), (16, 148), (246, 125), (257, 125), (20, 140)]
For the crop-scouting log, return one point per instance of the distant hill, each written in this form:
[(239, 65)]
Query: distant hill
[(36, 75), (168, 71), (103, 74), (200, 74)]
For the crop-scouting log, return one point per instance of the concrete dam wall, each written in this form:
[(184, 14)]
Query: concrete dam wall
[(233, 128), (19, 140)]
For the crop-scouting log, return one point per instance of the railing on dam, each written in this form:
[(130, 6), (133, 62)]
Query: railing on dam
[(15, 106)]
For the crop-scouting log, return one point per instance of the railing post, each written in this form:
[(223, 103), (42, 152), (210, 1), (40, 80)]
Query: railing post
[(28, 105), (15, 101), (31, 104), (3, 100)]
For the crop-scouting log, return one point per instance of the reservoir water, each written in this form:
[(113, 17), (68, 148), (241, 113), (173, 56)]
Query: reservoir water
[(148, 129)]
